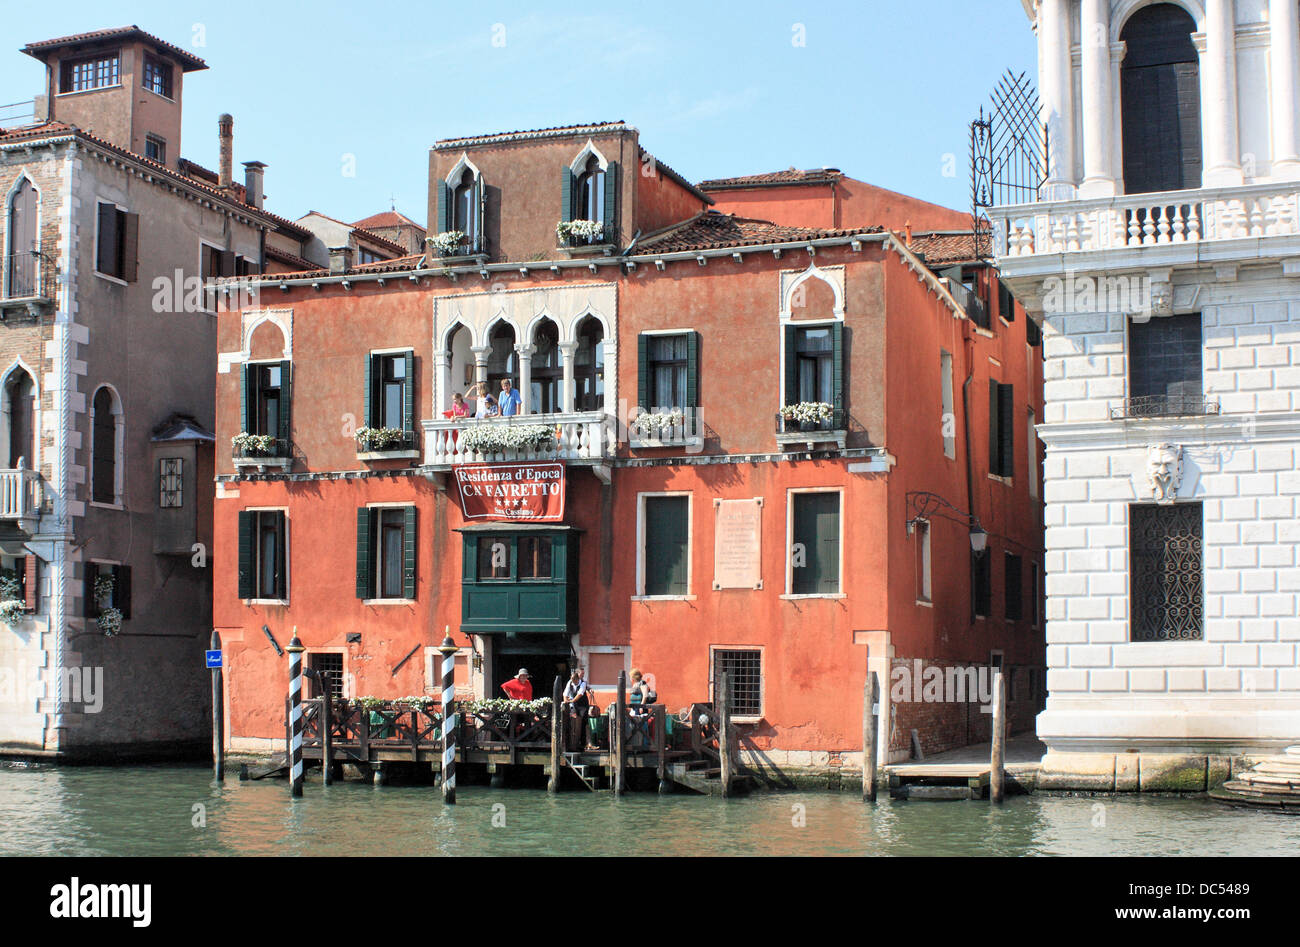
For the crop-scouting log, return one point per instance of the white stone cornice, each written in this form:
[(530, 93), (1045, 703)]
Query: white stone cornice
[(1213, 429)]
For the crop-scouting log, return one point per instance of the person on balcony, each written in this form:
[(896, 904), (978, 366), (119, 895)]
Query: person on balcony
[(509, 399), (458, 407), (519, 687)]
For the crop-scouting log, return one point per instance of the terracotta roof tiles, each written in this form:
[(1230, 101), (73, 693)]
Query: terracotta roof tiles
[(947, 248), (789, 177), (712, 230), (189, 62)]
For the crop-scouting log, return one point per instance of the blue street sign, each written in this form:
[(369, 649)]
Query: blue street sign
[(213, 658)]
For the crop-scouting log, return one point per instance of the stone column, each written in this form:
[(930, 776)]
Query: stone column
[(481, 353), (1098, 176), (442, 395), (1219, 89), (1057, 97), (1284, 54), (567, 351), (525, 353)]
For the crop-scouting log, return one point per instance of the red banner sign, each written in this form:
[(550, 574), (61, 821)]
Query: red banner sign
[(525, 493)]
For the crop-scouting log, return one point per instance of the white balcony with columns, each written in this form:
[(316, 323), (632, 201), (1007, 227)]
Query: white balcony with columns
[(1091, 258), (463, 327)]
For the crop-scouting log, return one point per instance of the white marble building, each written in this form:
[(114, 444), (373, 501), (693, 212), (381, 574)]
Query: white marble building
[(1164, 262)]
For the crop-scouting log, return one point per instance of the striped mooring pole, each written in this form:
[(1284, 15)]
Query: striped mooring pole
[(448, 650), (295, 650)]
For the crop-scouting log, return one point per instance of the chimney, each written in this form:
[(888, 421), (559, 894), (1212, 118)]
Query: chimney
[(254, 174), (226, 138), (340, 260), (907, 229)]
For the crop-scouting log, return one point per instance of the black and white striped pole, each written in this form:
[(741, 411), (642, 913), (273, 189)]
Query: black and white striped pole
[(295, 650), (448, 650)]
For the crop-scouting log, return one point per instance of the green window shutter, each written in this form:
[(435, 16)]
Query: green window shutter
[(643, 372), (243, 397), (246, 554), (666, 539), (89, 571), (444, 207), (817, 530), (828, 544), (692, 370), (566, 194), (791, 367), (995, 464), (365, 574), (286, 399), (408, 553), (480, 214), (1007, 429), (837, 373), (122, 590), (610, 212), (367, 411), (408, 394)]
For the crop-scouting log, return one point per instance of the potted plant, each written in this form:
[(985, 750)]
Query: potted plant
[(109, 618), (12, 607), (807, 416)]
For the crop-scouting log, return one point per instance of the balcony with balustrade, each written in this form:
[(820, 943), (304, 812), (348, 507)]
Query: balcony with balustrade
[(1170, 227), (20, 496), (27, 282), (581, 438)]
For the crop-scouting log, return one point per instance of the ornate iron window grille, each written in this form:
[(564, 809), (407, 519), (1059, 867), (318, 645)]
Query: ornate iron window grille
[(1167, 598), (1163, 406)]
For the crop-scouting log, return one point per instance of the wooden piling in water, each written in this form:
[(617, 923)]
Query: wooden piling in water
[(661, 747), (869, 731), (448, 651), (997, 772), (326, 730), (723, 711), (618, 741), (218, 718), (295, 650), (558, 711)]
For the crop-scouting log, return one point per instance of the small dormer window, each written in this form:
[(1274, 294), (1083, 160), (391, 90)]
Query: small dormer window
[(155, 149), (591, 191), (96, 72), (158, 76)]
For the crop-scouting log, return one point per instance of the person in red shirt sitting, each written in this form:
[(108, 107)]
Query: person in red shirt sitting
[(519, 687)]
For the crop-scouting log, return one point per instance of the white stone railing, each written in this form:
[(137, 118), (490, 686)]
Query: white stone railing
[(589, 436), (19, 494), (1147, 220)]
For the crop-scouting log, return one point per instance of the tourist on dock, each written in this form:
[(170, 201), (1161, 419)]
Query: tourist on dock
[(519, 687), (577, 700), (639, 696), (509, 398)]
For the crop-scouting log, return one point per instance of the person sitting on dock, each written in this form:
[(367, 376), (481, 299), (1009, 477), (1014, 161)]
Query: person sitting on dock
[(519, 687)]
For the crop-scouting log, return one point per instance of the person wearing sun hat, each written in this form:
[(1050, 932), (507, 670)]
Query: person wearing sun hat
[(519, 687)]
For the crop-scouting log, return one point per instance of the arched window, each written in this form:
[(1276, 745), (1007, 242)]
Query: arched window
[(1160, 101), (20, 261), (465, 200), (501, 358), (589, 366), (105, 447), (20, 411), (546, 370), (591, 191)]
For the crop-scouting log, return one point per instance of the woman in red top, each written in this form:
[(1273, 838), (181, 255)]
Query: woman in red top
[(519, 687)]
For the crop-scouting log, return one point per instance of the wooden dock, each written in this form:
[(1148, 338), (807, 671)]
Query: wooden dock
[(394, 738)]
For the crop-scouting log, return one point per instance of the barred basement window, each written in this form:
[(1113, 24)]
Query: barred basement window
[(169, 482), (1167, 598), (326, 662), (744, 671)]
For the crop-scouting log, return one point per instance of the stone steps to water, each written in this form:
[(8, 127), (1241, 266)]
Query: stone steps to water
[(1274, 784)]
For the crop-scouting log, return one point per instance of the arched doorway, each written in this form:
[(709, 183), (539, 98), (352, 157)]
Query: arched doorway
[(589, 366), (1160, 101), (546, 378)]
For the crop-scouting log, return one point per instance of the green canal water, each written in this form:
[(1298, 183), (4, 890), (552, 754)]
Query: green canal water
[(178, 810)]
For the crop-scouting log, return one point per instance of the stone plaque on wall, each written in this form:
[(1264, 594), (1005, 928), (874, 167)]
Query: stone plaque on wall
[(737, 544)]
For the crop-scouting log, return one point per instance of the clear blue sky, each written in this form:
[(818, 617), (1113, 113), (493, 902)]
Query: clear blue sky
[(882, 90)]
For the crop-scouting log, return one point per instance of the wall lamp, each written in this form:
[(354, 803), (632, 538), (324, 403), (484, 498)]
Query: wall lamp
[(923, 505)]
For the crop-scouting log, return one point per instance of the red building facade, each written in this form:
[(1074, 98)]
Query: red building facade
[(654, 347)]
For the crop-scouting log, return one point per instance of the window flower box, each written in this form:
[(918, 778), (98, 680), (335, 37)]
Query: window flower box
[(581, 237), (12, 608), (386, 443), (259, 450), (499, 438), (665, 427), (810, 422)]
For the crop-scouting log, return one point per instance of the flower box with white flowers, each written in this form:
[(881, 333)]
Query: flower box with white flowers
[(259, 450), (665, 427), (809, 422), (12, 607), (513, 441), (386, 443), (583, 236), (452, 247)]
